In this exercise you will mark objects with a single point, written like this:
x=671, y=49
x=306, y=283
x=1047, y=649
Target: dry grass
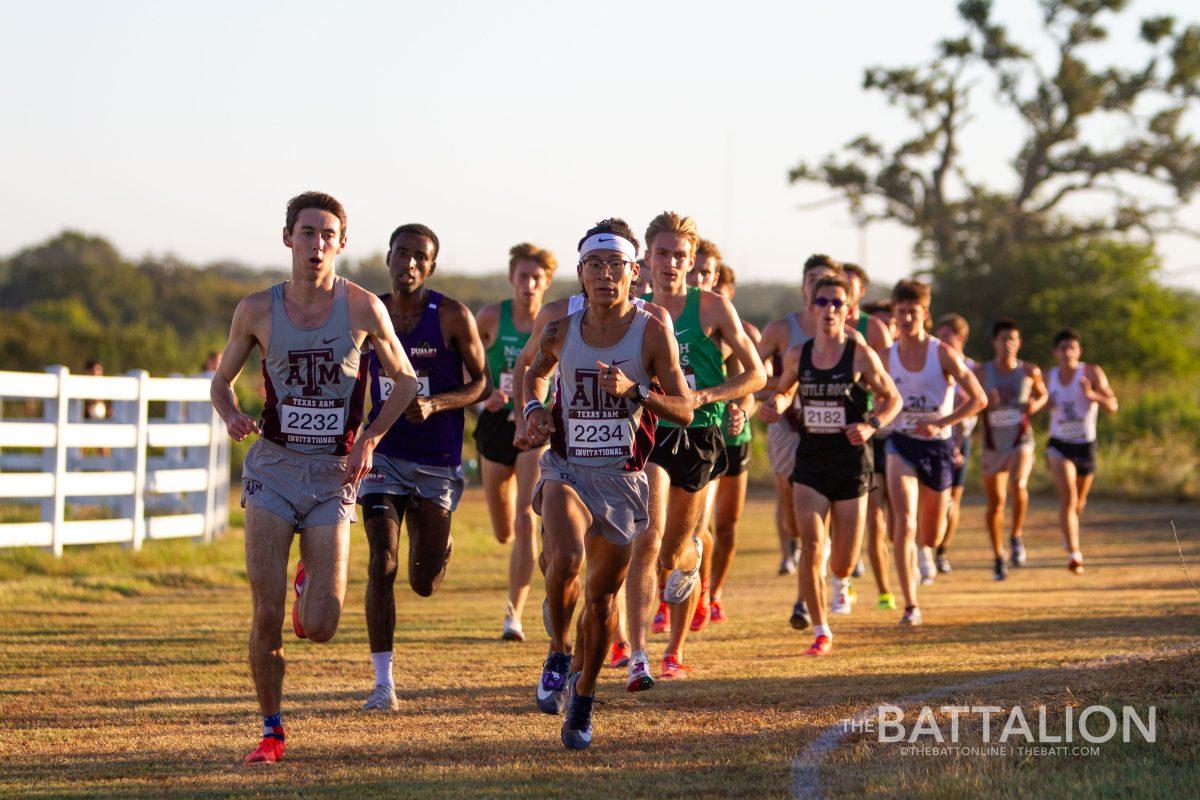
x=124, y=675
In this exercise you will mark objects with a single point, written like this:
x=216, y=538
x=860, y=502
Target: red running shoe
x=716, y=613
x=298, y=584
x=820, y=647
x=673, y=668
x=662, y=619
x=702, y=614
x=620, y=654
x=269, y=751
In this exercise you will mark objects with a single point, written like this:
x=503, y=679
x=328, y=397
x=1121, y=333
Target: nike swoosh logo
x=542, y=693
x=681, y=331
x=585, y=735
x=837, y=375
x=334, y=339
x=622, y=361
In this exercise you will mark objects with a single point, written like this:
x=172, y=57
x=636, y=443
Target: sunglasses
x=837, y=304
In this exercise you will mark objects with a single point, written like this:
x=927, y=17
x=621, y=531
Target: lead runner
x=593, y=492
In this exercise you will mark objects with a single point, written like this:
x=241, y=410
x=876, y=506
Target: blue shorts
x=932, y=460
x=958, y=474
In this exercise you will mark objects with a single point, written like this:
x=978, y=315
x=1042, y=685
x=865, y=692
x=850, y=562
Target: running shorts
x=494, y=432
x=782, y=440
x=932, y=460
x=302, y=488
x=691, y=456
x=993, y=461
x=738, y=458
x=841, y=475
x=958, y=472
x=1082, y=454
x=618, y=500
x=391, y=475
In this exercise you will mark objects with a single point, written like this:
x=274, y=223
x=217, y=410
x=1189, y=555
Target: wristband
x=530, y=407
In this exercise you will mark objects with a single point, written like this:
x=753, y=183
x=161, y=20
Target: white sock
x=1077, y=555
x=822, y=630
x=383, y=669
x=839, y=583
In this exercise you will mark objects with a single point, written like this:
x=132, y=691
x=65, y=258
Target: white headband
x=608, y=241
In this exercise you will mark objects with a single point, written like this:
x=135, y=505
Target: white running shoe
x=912, y=616
x=787, y=566
x=841, y=597
x=639, y=678
x=382, y=698
x=925, y=565
x=512, y=630
x=680, y=584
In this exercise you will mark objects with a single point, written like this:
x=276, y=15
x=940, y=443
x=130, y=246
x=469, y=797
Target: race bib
x=312, y=421
x=824, y=417
x=1072, y=429
x=598, y=434
x=386, y=385
x=422, y=386
x=909, y=420
x=506, y=383
x=690, y=377
x=1004, y=417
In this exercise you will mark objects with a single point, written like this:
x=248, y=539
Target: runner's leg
x=1019, y=477
x=429, y=544
x=641, y=591
x=878, y=512
x=268, y=543
x=731, y=501
x=564, y=520
x=811, y=510
x=524, y=553
x=500, y=491
x=994, y=486
x=607, y=564
x=902, y=492
x=785, y=517
x=383, y=539
x=1065, y=481
x=325, y=550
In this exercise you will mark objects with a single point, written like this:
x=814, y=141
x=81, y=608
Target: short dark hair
x=1004, y=324
x=819, y=261
x=854, y=270
x=92, y=362
x=319, y=201
x=880, y=307
x=909, y=291
x=955, y=322
x=1066, y=335
x=419, y=230
x=836, y=281
x=615, y=226
x=726, y=275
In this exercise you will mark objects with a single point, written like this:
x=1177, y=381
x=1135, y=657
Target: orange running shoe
x=269, y=751
x=716, y=612
x=673, y=668
x=702, y=614
x=298, y=585
x=820, y=647
x=662, y=619
x=621, y=651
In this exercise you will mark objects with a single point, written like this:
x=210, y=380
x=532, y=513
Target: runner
x=686, y=459
x=731, y=488
x=778, y=337
x=1015, y=392
x=833, y=460
x=1077, y=390
x=920, y=453
x=954, y=331
x=878, y=335
x=418, y=466
x=301, y=475
x=593, y=492
x=509, y=474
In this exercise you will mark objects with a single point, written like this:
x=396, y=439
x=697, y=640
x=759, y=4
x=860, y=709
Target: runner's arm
x=878, y=335
x=488, y=322
x=778, y=399
x=752, y=377
x=242, y=339
x=674, y=404
x=461, y=334
x=1039, y=395
x=769, y=345
x=540, y=422
x=1097, y=388
x=547, y=313
x=879, y=383
x=974, y=400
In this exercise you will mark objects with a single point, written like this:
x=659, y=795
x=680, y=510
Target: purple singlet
x=437, y=441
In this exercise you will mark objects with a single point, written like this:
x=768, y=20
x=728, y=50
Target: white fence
x=161, y=477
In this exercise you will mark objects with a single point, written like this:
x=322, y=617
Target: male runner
x=878, y=335
x=302, y=473
x=833, y=460
x=593, y=492
x=1077, y=391
x=418, y=465
x=920, y=452
x=509, y=474
x=686, y=458
x=783, y=435
x=731, y=488
x=1015, y=392
x=954, y=331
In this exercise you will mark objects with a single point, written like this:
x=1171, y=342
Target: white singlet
x=1072, y=415
x=928, y=395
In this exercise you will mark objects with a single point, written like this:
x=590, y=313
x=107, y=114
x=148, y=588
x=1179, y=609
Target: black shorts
x=839, y=475
x=879, y=452
x=691, y=456
x=1082, y=455
x=931, y=459
x=494, y=433
x=738, y=456
x=958, y=473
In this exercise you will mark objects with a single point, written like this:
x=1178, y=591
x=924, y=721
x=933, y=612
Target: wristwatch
x=873, y=421
x=641, y=394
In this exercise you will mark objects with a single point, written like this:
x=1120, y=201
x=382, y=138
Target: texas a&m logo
x=587, y=394
x=312, y=369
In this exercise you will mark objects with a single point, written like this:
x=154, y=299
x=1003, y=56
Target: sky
x=184, y=128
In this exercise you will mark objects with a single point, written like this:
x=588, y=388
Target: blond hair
x=670, y=222
x=531, y=252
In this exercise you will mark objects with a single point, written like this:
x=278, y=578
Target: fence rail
x=161, y=476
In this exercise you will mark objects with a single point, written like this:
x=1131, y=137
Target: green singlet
x=863, y=321
x=701, y=359
x=503, y=351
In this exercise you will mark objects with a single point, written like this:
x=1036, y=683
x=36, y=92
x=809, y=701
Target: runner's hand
x=614, y=381
x=769, y=411
x=496, y=400
x=358, y=463
x=421, y=409
x=737, y=420
x=242, y=426
x=1085, y=386
x=928, y=430
x=958, y=456
x=538, y=427
x=859, y=433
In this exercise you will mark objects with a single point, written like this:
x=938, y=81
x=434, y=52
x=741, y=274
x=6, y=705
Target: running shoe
x=800, y=619
x=1075, y=565
x=999, y=569
x=382, y=698
x=841, y=600
x=552, y=688
x=620, y=654
x=662, y=619
x=512, y=631
x=703, y=611
x=820, y=647
x=680, y=584
x=577, y=727
x=787, y=566
x=269, y=751
x=298, y=585
x=639, y=678
x=1017, y=547
x=943, y=564
x=716, y=612
x=926, y=566
x=859, y=570
x=912, y=616
x=673, y=668
x=887, y=601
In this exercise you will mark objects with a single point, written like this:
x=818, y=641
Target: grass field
x=124, y=674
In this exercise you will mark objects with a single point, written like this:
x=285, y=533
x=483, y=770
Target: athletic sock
x=273, y=727
x=383, y=669
x=941, y=549
x=1077, y=555
x=839, y=583
x=822, y=630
